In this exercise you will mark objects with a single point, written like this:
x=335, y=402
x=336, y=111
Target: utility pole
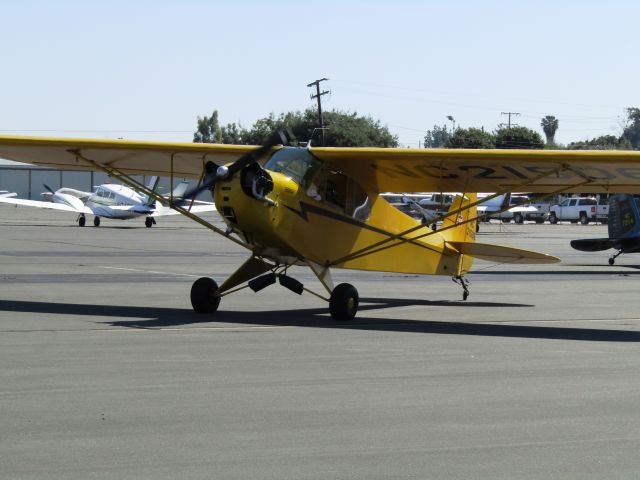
x=509, y=124
x=318, y=96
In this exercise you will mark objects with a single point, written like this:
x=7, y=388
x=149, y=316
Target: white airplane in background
x=109, y=201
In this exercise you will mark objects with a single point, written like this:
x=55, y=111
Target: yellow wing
x=131, y=158
x=377, y=169
x=453, y=170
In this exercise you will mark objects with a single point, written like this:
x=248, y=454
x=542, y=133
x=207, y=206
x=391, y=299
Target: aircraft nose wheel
x=203, y=295
x=343, y=303
x=96, y=222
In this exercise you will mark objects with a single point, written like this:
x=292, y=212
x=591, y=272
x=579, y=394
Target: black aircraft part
x=262, y=282
x=593, y=244
x=291, y=283
x=256, y=181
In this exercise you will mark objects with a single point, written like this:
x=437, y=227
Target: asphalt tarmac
x=105, y=372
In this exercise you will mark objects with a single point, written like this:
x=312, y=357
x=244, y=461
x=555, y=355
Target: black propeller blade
x=214, y=172
x=48, y=187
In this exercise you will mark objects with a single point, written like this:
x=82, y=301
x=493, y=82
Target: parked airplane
x=320, y=207
x=517, y=208
x=109, y=201
x=624, y=229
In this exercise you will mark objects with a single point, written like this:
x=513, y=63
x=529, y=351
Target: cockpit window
x=295, y=163
x=320, y=182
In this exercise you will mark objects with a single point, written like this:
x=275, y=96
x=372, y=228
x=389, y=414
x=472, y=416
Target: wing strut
x=124, y=178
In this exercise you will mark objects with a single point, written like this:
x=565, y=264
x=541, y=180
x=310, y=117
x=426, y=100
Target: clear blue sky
x=123, y=68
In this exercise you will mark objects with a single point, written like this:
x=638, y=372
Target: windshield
x=295, y=163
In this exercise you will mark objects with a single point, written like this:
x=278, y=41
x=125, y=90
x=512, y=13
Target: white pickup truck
x=582, y=209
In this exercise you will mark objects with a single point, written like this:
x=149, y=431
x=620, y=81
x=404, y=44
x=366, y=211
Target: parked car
x=582, y=209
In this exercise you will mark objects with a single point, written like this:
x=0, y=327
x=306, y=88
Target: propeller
x=214, y=172
x=48, y=187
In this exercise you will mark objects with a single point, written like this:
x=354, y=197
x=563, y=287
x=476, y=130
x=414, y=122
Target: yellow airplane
x=320, y=207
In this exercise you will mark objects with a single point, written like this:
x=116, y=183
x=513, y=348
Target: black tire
x=584, y=219
x=148, y=222
x=96, y=221
x=518, y=218
x=612, y=261
x=343, y=304
x=552, y=218
x=203, y=295
x=539, y=220
x=81, y=221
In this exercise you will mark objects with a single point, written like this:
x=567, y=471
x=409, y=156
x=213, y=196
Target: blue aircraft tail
x=623, y=224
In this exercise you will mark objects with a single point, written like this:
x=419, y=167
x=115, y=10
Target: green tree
x=343, y=130
x=471, y=138
x=232, y=134
x=549, y=126
x=208, y=130
x=518, y=137
x=605, y=142
x=632, y=129
x=437, y=137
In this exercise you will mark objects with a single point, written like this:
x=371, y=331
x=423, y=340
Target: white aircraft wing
x=198, y=207
x=48, y=205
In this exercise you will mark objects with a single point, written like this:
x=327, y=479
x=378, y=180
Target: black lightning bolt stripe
x=306, y=208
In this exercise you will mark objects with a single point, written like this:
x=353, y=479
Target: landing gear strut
x=464, y=283
x=612, y=258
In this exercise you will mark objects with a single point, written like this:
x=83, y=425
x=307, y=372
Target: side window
x=564, y=203
x=336, y=190
x=572, y=202
x=587, y=201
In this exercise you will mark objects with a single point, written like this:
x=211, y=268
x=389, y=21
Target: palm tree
x=549, y=126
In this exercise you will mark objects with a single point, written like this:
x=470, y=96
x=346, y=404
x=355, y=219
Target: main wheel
x=81, y=221
x=203, y=295
x=612, y=261
x=96, y=221
x=148, y=222
x=584, y=220
x=553, y=218
x=343, y=304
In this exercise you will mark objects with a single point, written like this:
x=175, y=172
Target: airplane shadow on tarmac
x=156, y=318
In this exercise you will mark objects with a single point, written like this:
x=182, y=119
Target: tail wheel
x=203, y=295
x=343, y=304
